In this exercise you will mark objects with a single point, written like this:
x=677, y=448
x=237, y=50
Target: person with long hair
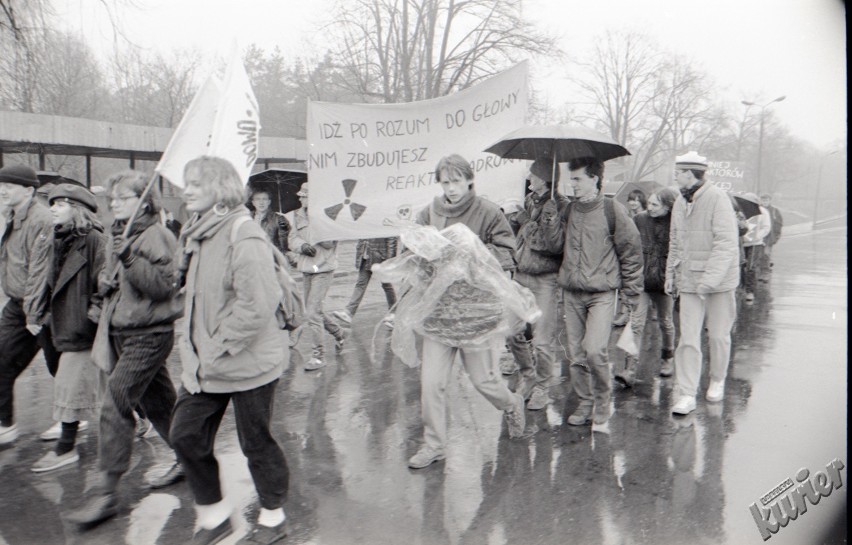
x=142, y=306
x=230, y=349
x=654, y=226
x=76, y=259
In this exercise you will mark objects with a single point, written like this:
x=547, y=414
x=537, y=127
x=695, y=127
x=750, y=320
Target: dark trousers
x=196, y=421
x=364, y=275
x=140, y=379
x=18, y=347
x=753, y=256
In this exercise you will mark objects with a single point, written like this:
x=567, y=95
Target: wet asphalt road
x=348, y=430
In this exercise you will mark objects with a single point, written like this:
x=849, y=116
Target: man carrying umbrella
x=602, y=253
x=536, y=270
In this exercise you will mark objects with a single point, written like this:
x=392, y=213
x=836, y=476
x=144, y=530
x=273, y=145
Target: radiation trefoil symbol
x=354, y=208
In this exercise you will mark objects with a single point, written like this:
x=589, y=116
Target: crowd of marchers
x=102, y=303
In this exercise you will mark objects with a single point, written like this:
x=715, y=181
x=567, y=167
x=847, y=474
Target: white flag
x=223, y=121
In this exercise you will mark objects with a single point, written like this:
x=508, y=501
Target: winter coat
x=759, y=227
x=593, y=260
x=532, y=254
x=703, y=242
x=24, y=258
x=654, y=233
x=277, y=229
x=325, y=259
x=232, y=292
x=147, y=295
x=371, y=251
x=74, y=292
x=482, y=217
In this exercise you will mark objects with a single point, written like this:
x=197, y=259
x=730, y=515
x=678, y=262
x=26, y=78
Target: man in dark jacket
x=24, y=251
x=536, y=270
x=602, y=253
x=275, y=225
x=369, y=252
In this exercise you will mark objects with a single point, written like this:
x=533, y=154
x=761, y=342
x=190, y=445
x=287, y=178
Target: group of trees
x=653, y=101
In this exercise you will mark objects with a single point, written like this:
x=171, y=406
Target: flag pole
x=133, y=217
x=553, y=178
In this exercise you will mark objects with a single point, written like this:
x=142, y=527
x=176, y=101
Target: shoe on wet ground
x=667, y=369
x=96, y=509
x=339, y=342
x=539, y=399
x=425, y=457
x=295, y=335
x=54, y=432
x=313, y=364
x=51, y=461
x=515, y=418
x=343, y=317
x=211, y=536
x=173, y=475
x=581, y=416
x=8, y=434
x=264, y=535
x=684, y=405
x=749, y=296
x=716, y=391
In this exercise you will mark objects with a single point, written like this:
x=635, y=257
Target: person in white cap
x=317, y=263
x=703, y=268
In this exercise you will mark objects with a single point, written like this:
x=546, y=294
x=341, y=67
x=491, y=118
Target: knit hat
x=20, y=175
x=76, y=193
x=691, y=161
x=543, y=168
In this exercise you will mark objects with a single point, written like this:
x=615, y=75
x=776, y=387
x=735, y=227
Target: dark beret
x=75, y=193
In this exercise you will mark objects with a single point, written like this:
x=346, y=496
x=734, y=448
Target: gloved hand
x=106, y=286
x=308, y=250
x=549, y=210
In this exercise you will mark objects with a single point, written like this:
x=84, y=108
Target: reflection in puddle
x=148, y=519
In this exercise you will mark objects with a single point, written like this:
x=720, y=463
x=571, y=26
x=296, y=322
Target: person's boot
x=626, y=376
x=667, y=368
x=100, y=506
x=582, y=415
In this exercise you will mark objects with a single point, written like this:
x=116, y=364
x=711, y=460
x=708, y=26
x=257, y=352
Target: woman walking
x=76, y=259
x=231, y=350
x=654, y=227
x=142, y=306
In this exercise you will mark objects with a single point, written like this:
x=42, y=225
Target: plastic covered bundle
x=454, y=292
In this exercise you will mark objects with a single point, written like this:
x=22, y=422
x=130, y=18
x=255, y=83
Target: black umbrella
x=281, y=185
x=647, y=187
x=748, y=207
x=562, y=143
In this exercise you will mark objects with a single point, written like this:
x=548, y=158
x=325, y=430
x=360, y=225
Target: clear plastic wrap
x=453, y=291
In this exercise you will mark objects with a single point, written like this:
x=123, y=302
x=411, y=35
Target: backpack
x=609, y=212
x=291, y=310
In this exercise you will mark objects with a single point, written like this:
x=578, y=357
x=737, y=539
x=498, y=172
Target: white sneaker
x=314, y=364
x=343, y=317
x=425, y=457
x=684, y=405
x=51, y=461
x=716, y=391
x=388, y=320
x=8, y=434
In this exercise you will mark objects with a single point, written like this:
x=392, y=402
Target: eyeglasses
x=124, y=198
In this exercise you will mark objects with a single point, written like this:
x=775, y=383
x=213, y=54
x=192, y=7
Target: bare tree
x=404, y=50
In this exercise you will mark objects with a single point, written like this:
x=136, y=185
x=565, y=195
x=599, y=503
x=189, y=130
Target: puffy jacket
x=483, y=218
x=654, y=233
x=326, y=257
x=703, y=245
x=371, y=251
x=231, y=295
x=24, y=258
x=147, y=279
x=593, y=260
x=532, y=254
x=74, y=290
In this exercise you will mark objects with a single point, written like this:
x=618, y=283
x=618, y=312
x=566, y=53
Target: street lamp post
x=760, y=137
x=819, y=183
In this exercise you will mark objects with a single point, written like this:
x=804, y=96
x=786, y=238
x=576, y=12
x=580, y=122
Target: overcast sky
x=755, y=50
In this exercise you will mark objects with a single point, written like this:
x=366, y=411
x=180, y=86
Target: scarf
x=142, y=222
x=63, y=239
x=444, y=208
x=689, y=192
x=203, y=227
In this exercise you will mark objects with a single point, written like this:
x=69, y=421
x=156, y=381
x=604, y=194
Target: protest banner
x=222, y=120
x=368, y=162
x=729, y=176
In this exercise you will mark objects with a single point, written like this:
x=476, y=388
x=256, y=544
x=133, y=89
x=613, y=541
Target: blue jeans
x=364, y=275
x=315, y=287
x=588, y=324
x=546, y=292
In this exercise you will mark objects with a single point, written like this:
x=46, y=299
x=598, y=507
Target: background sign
x=729, y=176
x=368, y=162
